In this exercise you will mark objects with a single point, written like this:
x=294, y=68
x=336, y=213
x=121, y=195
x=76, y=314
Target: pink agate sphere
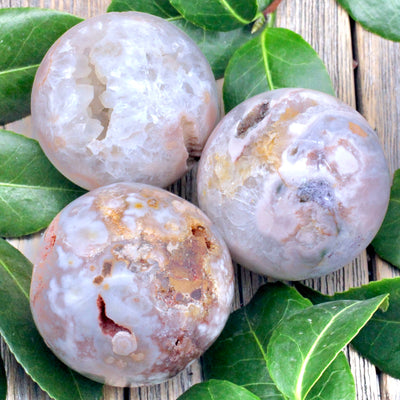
x=132, y=283
x=296, y=181
x=124, y=97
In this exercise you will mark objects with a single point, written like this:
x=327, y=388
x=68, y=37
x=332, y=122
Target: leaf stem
x=271, y=8
x=271, y=20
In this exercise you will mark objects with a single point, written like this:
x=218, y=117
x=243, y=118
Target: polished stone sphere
x=296, y=181
x=131, y=284
x=124, y=97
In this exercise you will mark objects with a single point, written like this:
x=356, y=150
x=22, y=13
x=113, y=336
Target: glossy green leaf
x=380, y=17
x=379, y=340
x=25, y=36
x=218, y=47
x=337, y=382
x=32, y=191
x=303, y=345
x=23, y=339
x=217, y=15
x=160, y=8
x=278, y=58
x=239, y=354
x=387, y=240
x=217, y=390
x=3, y=381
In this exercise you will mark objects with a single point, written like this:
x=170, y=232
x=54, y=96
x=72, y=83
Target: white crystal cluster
x=296, y=181
x=124, y=97
x=132, y=283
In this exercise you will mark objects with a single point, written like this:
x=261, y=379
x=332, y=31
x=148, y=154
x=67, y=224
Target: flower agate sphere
x=132, y=283
x=124, y=97
x=296, y=181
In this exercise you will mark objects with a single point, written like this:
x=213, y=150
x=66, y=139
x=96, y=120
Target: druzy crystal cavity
x=124, y=97
x=296, y=181
x=131, y=284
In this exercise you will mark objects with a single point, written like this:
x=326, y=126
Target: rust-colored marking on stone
x=107, y=268
x=200, y=232
x=98, y=280
x=153, y=203
x=357, y=129
x=107, y=325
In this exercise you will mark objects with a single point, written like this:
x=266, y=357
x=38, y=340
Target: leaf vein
x=26, y=166
x=264, y=356
x=32, y=187
x=14, y=279
x=265, y=59
x=76, y=384
x=312, y=349
x=8, y=205
x=19, y=69
x=35, y=27
x=6, y=160
x=233, y=12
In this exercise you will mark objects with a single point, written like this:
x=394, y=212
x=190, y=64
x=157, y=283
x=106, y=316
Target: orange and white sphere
x=131, y=284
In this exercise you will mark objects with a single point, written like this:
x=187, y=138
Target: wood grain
x=378, y=99
x=325, y=25
x=374, y=87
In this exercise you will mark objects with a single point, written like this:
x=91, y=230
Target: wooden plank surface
x=373, y=87
x=378, y=99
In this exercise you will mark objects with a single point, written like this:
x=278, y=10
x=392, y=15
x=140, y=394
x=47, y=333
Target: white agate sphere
x=296, y=181
x=131, y=284
x=124, y=97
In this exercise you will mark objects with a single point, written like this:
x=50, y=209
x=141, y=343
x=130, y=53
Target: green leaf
x=3, y=381
x=379, y=340
x=380, y=17
x=387, y=240
x=217, y=15
x=217, y=390
x=23, y=339
x=218, y=47
x=32, y=191
x=25, y=36
x=305, y=344
x=160, y=8
x=337, y=382
x=239, y=354
x=278, y=58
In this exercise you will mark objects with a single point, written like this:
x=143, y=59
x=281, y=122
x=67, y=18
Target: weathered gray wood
x=390, y=388
x=378, y=89
x=327, y=28
x=378, y=99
